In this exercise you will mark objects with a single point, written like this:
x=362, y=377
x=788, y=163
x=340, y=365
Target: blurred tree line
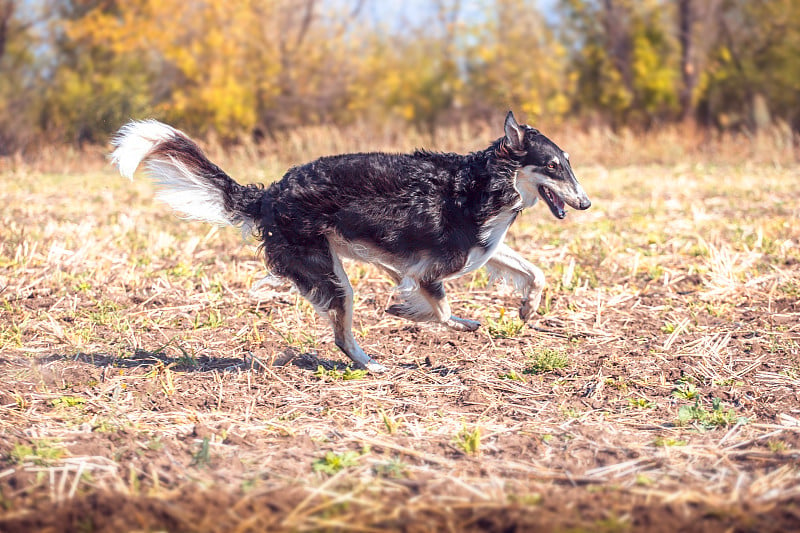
x=75, y=70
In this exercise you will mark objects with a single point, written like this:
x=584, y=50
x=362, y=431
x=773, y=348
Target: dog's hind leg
x=318, y=274
x=528, y=279
x=341, y=316
x=427, y=302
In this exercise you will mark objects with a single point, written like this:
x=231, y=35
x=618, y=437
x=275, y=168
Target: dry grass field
x=144, y=387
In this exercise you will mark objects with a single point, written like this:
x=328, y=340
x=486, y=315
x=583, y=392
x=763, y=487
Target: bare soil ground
x=143, y=387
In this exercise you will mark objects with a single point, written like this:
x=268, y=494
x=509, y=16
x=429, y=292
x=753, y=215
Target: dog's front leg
x=528, y=279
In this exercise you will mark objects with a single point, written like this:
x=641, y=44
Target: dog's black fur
x=421, y=216
x=400, y=204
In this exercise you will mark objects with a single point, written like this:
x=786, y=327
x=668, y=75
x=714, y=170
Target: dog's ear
x=515, y=135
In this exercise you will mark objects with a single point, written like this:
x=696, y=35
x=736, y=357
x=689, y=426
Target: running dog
x=423, y=217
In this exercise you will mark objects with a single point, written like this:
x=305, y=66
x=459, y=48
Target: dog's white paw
x=373, y=366
x=462, y=324
x=526, y=311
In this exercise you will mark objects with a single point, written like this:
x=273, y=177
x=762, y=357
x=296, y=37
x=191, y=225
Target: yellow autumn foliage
x=75, y=71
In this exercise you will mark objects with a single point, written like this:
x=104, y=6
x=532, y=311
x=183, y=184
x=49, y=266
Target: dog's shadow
x=439, y=370
x=145, y=359
x=309, y=361
x=312, y=362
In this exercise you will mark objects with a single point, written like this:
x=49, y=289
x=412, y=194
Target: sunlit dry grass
x=674, y=144
x=663, y=369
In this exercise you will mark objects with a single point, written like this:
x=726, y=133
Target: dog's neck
x=500, y=158
x=490, y=185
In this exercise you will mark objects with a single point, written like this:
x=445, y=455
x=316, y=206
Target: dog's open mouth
x=555, y=203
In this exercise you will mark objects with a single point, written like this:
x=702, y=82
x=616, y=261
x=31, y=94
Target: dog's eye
x=552, y=165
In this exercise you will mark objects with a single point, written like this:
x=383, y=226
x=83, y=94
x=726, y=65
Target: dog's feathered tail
x=188, y=181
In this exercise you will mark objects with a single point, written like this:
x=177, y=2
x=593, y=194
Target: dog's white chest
x=492, y=233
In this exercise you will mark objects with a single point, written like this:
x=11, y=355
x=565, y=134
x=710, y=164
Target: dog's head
x=544, y=170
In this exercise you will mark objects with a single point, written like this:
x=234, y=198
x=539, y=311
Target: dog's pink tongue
x=558, y=202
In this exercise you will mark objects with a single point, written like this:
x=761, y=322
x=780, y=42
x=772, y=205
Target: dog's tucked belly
x=367, y=253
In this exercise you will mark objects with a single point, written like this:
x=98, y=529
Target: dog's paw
x=396, y=310
x=462, y=324
x=526, y=311
x=373, y=366
x=409, y=312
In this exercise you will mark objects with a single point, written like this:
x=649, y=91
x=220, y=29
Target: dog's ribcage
x=415, y=266
x=492, y=234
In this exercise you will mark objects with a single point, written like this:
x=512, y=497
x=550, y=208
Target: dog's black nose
x=585, y=204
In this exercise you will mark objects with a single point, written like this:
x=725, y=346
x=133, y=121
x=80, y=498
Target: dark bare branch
x=6, y=12
x=305, y=24
x=686, y=20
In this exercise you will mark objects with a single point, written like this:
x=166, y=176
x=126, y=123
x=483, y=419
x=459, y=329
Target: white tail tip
x=135, y=140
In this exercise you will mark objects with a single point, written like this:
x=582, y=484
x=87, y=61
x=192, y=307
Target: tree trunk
x=6, y=12
x=686, y=20
x=618, y=40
